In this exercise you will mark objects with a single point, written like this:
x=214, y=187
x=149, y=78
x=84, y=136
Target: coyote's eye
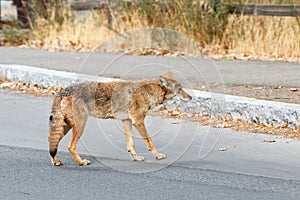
x=51, y=118
x=177, y=89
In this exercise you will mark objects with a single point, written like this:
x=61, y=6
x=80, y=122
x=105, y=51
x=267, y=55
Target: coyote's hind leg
x=77, y=119
x=76, y=133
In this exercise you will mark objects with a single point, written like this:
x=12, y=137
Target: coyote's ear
x=169, y=74
x=163, y=81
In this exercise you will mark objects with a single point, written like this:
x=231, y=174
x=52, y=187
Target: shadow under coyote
x=128, y=101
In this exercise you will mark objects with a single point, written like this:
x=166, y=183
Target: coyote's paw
x=84, y=162
x=137, y=158
x=159, y=156
x=56, y=162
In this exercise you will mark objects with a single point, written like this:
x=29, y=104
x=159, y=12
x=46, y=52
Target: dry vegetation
x=27, y=88
x=262, y=37
x=262, y=1
x=187, y=28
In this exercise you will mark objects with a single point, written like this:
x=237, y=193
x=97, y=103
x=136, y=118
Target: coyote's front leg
x=127, y=124
x=140, y=126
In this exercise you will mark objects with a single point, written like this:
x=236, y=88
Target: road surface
x=192, y=72
x=194, y=168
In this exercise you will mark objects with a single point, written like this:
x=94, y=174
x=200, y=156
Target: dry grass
x=261, y=37
x=185, y=25
x=75, y=32
x=26, y=88
x=261, y=1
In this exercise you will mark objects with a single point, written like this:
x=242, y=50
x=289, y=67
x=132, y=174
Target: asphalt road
x=194, y=168
x=26, y=174
x=197, y=73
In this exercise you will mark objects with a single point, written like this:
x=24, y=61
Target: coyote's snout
x=126, y=101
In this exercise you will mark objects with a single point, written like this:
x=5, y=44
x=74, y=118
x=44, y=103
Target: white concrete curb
x=203, y=103
x=45, y=77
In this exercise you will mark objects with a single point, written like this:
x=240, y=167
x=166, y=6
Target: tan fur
x=126, y=101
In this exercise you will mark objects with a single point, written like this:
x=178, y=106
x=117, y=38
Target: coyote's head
x=173, y=87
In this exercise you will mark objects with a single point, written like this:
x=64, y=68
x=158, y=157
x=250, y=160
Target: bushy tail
x=57, y=126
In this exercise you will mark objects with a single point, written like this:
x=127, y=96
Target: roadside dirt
x=26, y=88
x=270, y=93
x=288, y=95
x=236, y=125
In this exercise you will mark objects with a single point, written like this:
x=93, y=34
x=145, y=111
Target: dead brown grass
x=261, y=1
x=27, y=88
x=217, y=34
x=276, y=38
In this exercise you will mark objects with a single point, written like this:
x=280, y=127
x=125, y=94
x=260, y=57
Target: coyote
x=128, y=101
